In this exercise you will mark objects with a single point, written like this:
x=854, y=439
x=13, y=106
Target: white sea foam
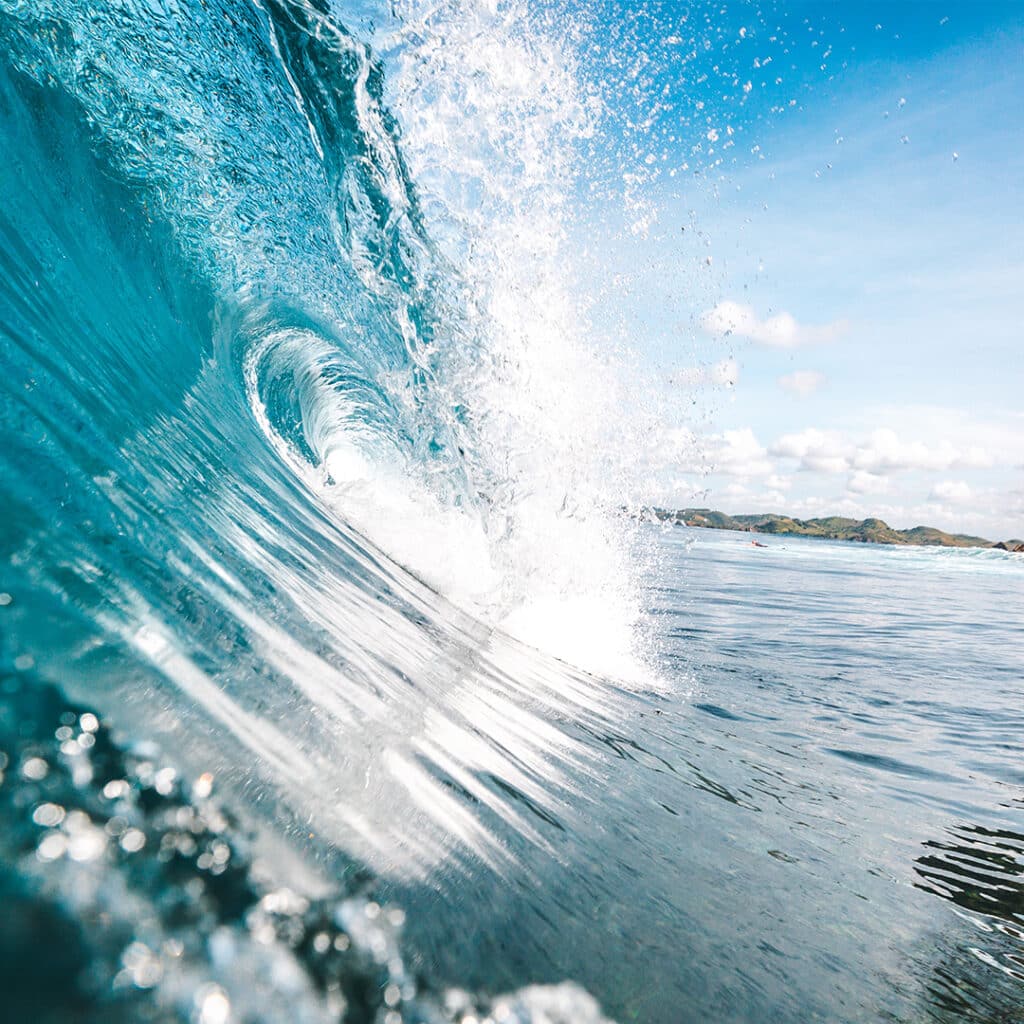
x=492, y=113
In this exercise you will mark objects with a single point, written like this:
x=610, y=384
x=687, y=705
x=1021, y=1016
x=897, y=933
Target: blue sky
x=827, y=248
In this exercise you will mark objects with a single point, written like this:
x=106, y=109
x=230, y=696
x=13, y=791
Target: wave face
x=302, y=427
x=303, y=438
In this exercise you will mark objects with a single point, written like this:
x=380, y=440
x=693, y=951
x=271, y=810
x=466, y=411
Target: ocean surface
x=339, y=677
x=820, y=817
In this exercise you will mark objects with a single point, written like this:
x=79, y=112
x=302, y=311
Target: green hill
x=866, y=531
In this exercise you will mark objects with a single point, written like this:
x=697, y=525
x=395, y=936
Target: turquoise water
x=334, y=682
x=819, y=818
x=822, y=819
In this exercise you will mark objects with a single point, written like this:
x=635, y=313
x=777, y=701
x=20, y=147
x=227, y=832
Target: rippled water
x=823, y=819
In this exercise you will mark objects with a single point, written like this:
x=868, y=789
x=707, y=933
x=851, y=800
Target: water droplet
x=35, y=768
x=133, y=840
x=214, y=1005
x=48, y=815
x=52, y=847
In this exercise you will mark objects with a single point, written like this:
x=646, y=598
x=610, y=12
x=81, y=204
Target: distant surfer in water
x=758, y=544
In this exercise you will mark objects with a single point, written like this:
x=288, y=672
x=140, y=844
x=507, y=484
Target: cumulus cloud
x=779, y=331
x=802, y=383
x=739, y=453
x=907, y=476
x=883, y=452
x=743, y=498
x=998, y=439
x=817, y=451
x=867, y=483
x=735, y=453
x=954, y=491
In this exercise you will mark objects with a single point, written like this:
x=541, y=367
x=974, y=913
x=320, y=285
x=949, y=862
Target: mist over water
x=338, y=677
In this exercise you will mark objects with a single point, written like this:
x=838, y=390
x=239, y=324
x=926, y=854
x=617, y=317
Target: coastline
x=863, y=531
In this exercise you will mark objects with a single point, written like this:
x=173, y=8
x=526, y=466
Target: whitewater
x=340, y=678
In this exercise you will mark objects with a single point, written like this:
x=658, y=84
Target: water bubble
x=89, y=722
x=35, y=768
x=203, y=786
x=142, y=965
x=52, y=847
x=163, y=781
x=5, y=599
x=115, y=789
x=48, y=815
x=133, y=840
x=213, y=1004
x=86, y=844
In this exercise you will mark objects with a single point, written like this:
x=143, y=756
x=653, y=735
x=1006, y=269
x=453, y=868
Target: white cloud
x=739, y=453
x=955, y=491
x=802, y=383
x=738, y=497
x=910, y=475
x=998, y=439
x=883, y=452
x=724, y=374
x=779, y=331
x=817, y=451
x=735, y=453
x=867, y=483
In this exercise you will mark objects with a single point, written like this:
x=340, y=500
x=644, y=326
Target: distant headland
x=866, y=531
